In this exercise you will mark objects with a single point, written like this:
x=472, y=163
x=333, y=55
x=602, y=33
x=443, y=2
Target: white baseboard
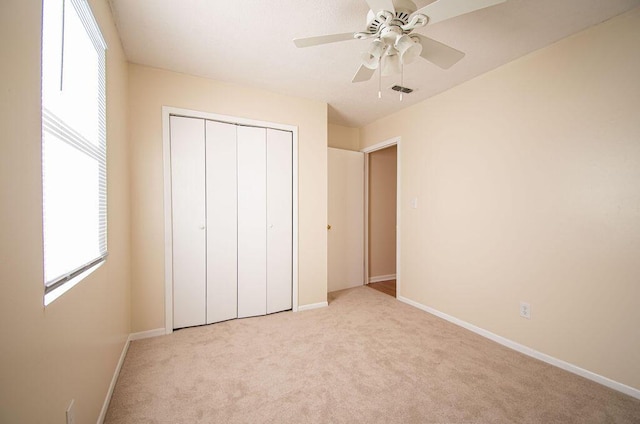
x=147, y=334
x=116, y=372
x=312, y=306
x=628, y=390
x=114, y=379
x=379, y=278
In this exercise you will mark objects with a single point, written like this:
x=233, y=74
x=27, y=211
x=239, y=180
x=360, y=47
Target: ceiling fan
x=390, y=24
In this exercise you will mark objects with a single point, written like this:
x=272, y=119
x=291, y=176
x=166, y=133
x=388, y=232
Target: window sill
x=59, y=291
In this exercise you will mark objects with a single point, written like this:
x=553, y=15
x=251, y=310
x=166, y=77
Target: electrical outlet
x=414, y=203
x=525, y=310
x=71, y=412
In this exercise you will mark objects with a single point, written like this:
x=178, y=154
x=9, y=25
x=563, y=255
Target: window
x=74, y=182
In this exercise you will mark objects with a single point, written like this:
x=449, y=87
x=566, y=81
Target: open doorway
x=364, y=247
x=381, y=193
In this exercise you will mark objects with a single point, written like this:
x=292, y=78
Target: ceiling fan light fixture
x=390, y=34
x=371, y=58
x=408, y=49
x=391, y=65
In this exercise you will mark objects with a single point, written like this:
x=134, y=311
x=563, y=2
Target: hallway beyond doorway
x=386, y=287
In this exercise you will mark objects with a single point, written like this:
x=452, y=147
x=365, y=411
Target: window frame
x=55, y=127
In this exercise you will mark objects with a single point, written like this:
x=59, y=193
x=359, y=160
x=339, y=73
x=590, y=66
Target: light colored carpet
x=367, y=358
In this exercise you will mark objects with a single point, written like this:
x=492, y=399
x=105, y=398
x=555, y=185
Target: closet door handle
x=202, y=227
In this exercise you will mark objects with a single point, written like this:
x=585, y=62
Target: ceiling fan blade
x=378, y=5
x=446, y=9
x=437, y=53
x=323, y=39
x=363, y=74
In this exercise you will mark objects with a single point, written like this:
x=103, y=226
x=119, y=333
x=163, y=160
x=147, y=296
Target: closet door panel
x=188, y=209
x=221, y=189
x=279, y=220
x=252, y=237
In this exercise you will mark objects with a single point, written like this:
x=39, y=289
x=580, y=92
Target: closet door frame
x=167, y=112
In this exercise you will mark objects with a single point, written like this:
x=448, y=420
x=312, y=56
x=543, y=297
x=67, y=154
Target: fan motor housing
x=403, y=9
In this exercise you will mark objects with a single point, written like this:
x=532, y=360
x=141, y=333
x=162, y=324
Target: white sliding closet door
x=188, y=204
x=221, y=189
x=279, y=220
x=252, y=234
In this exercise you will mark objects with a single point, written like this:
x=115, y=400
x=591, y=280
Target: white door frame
x=367, y=150
x=168, y=111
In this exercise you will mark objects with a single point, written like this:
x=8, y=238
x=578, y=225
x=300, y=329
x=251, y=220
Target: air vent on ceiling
x=402, y=89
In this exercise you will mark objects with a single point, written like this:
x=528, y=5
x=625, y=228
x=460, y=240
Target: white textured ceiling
x=249, y=42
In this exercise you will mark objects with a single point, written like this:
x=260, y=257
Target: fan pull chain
x=401, y=79
x=380, y=77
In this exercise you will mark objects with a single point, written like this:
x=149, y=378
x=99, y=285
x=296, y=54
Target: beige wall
x=68, y=350
x=382, y=212
x=341, y=137
x=528, y=179
x=150, y=89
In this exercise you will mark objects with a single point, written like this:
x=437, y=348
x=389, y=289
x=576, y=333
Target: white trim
x=398, y=212
x=294, y=294
x=628, y=390
x=379, y=146
x=382, y=145
x=167, y=111
x=382, y=278
x=312, y=306
x=147, y=334
x=168, y=236
x=190, y=113
x=116, y=373
x=114, y=379
x=365, y=248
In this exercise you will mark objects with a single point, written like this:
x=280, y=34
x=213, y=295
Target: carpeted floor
x=367, y=358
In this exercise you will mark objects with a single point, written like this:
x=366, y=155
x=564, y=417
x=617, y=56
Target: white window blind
x=73, y=141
